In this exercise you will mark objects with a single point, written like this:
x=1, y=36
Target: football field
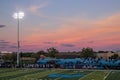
x=58, y=74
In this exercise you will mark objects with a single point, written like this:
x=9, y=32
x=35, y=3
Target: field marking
x=87, y=75
x=64, y=71
x=107, y=75
x=59, y=77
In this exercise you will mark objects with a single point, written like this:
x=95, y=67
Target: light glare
x=18, y=15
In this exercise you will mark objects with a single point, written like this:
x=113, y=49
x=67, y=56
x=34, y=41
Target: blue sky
x=61, y=23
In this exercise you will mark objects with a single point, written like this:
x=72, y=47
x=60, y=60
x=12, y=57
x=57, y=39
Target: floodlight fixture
x=18, y=15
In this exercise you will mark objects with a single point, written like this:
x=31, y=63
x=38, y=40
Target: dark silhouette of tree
x=114, y=56
x=52, y=51
x=26, y=54
x=87, y=52
x=41, y=52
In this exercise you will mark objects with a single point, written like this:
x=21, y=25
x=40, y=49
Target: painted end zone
x=65, y=75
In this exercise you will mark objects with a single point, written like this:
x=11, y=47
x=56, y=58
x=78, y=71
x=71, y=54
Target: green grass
x=96, y=75
x=114, y=75
x=38, y=75
x=42, y=74
x=16, y=73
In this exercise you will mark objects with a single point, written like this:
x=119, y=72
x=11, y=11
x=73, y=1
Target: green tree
x=52, y=51
x=114, y=56
x=8, y=56
x=87, y=52
x=26, y=54
x=41, y=52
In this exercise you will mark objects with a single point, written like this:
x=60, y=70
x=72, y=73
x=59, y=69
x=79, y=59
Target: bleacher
x=80, y=63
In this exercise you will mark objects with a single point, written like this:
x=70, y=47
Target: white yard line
x=58, y=78
x=86, y=75
x=107, y=75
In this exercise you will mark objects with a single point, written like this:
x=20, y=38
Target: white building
x=4, y=52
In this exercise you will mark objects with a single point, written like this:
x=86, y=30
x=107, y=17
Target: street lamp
x=18, y=16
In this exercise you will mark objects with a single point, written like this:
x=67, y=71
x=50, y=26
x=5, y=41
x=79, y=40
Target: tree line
x=51, y=52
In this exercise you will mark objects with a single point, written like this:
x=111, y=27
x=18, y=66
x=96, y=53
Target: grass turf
x=114, y=75
x=43, y=74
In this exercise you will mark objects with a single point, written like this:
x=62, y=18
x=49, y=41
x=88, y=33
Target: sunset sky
x=68, y=25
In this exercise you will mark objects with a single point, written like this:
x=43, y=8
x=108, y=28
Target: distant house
x=28, y=59
x=104, y=54
x=5, y=52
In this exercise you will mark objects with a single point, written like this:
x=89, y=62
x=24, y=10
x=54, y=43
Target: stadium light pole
x=18, y=16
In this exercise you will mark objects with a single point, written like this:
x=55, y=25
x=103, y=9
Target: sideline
x=107, y=75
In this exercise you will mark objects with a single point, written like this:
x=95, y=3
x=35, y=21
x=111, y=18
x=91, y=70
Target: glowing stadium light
x=18, y=16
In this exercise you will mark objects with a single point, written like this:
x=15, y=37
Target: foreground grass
x=114, y=75
x=96, y=75
x=38, y=74
x=13, y=73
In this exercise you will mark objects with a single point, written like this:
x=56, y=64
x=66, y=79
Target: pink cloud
x=102, y=32
x=36, y=8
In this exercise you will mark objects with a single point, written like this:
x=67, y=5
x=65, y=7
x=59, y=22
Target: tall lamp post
x=18, y=16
